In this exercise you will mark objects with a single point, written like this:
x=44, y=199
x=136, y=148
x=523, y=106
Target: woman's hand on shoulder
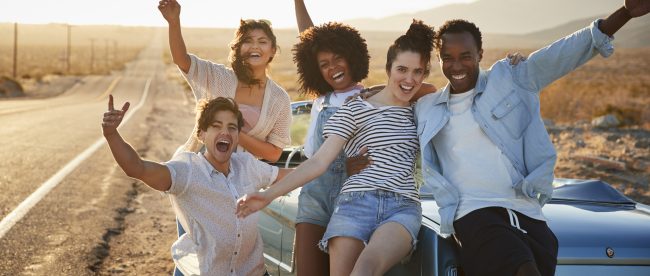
x=515, y=58
x=366, y=93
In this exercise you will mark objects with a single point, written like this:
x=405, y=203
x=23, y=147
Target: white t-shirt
x=216, y=242
x=475, y=165
x=337, y=99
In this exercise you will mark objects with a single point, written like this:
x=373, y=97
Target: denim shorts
x=358, y=214
x=317, y=198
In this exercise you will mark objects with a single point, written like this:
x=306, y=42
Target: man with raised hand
x=486, y=155
x=203, y=189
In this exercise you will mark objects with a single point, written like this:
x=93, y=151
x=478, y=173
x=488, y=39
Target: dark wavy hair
x=334, y=37
x=237, y=62
x=457, y=26
x=206, y=110
x=418, y=39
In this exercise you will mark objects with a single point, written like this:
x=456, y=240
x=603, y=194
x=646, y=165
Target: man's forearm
x=126, y=156
x=614, y=21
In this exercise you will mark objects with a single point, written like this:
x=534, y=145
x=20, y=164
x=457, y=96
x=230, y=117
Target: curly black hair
x=237, y=62
x=457, y=26
x=418, y=38
x=334, y=37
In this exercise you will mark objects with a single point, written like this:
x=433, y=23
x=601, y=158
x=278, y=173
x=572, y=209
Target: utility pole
x=115, y=52
x=15, y=50
x=92, y=55
x=68, y=51
x=106, y=54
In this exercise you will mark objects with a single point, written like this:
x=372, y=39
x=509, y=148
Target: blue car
x=600, y=231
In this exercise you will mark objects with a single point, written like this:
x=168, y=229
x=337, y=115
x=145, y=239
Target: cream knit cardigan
x=209, y=80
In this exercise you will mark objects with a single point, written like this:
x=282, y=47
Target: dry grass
x=619, y=84
x=42, y=48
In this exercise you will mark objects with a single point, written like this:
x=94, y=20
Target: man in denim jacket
x=486, y=156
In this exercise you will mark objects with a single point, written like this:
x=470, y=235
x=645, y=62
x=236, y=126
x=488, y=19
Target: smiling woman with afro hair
x=331, y=59
x=332, y=37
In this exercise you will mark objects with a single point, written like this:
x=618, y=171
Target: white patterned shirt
x=204, y=200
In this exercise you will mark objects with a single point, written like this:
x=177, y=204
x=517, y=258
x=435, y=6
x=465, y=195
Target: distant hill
x=498, y=16
x=634, y=34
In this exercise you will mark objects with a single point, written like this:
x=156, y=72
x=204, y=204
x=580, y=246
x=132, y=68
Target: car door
x=271, y=231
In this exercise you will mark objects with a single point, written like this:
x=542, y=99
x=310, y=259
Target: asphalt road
x=69, y=230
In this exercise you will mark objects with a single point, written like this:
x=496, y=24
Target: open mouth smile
x=407, y=88
x=338, y=76
x=223, y=145
x=459, y=76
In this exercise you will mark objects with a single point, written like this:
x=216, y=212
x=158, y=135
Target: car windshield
x=301, y=117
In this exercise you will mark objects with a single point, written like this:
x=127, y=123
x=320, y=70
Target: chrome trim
x=603, y=261
x=293, y=152
x=277, y=262
x=282, y=219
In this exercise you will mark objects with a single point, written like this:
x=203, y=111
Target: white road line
x=23, y=208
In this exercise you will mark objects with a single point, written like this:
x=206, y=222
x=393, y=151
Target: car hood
x=594, y=224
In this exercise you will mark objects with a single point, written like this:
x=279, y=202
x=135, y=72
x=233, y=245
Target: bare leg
x=389, y=244
x=344, y=252
x=310, y=260
x=527, y=269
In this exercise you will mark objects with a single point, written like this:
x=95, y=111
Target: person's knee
x=368, y=264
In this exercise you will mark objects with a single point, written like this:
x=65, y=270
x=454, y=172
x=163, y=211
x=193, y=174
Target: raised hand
x=251, y=203
x=170, y=10
x=637, y=8
x=112, y=117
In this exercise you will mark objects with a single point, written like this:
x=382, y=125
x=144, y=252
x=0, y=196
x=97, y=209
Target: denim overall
x=318, y=197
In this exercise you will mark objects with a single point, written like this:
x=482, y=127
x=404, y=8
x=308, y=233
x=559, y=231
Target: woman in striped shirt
x=377, y=215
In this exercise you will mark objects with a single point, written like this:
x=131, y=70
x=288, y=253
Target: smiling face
x=257, y=48
x=220, y=138
x=335, y=70
x=459, y=60
x=407, y=72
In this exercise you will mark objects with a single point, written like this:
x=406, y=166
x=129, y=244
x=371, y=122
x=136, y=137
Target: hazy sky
x=206, y=13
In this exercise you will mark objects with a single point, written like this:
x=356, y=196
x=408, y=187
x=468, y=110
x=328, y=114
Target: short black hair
x=334, y=37
x=206, y=110
x=457, y=26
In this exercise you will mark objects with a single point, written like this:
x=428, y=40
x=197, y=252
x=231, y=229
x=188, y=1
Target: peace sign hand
x=112, y=117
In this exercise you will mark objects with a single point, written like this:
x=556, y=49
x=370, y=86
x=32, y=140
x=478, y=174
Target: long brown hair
x=237, y=62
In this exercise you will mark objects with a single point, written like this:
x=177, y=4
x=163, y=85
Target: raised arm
x=304, y=173
x=631, y=9
x=171, y=11
x=153, y=174
x=563, y=56
x=302, y=16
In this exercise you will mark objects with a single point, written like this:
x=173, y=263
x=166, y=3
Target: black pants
x=496, y=241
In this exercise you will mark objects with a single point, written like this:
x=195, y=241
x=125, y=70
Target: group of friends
x=485, y=154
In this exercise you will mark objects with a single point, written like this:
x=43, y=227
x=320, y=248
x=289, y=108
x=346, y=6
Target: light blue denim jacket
x=506, y=107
